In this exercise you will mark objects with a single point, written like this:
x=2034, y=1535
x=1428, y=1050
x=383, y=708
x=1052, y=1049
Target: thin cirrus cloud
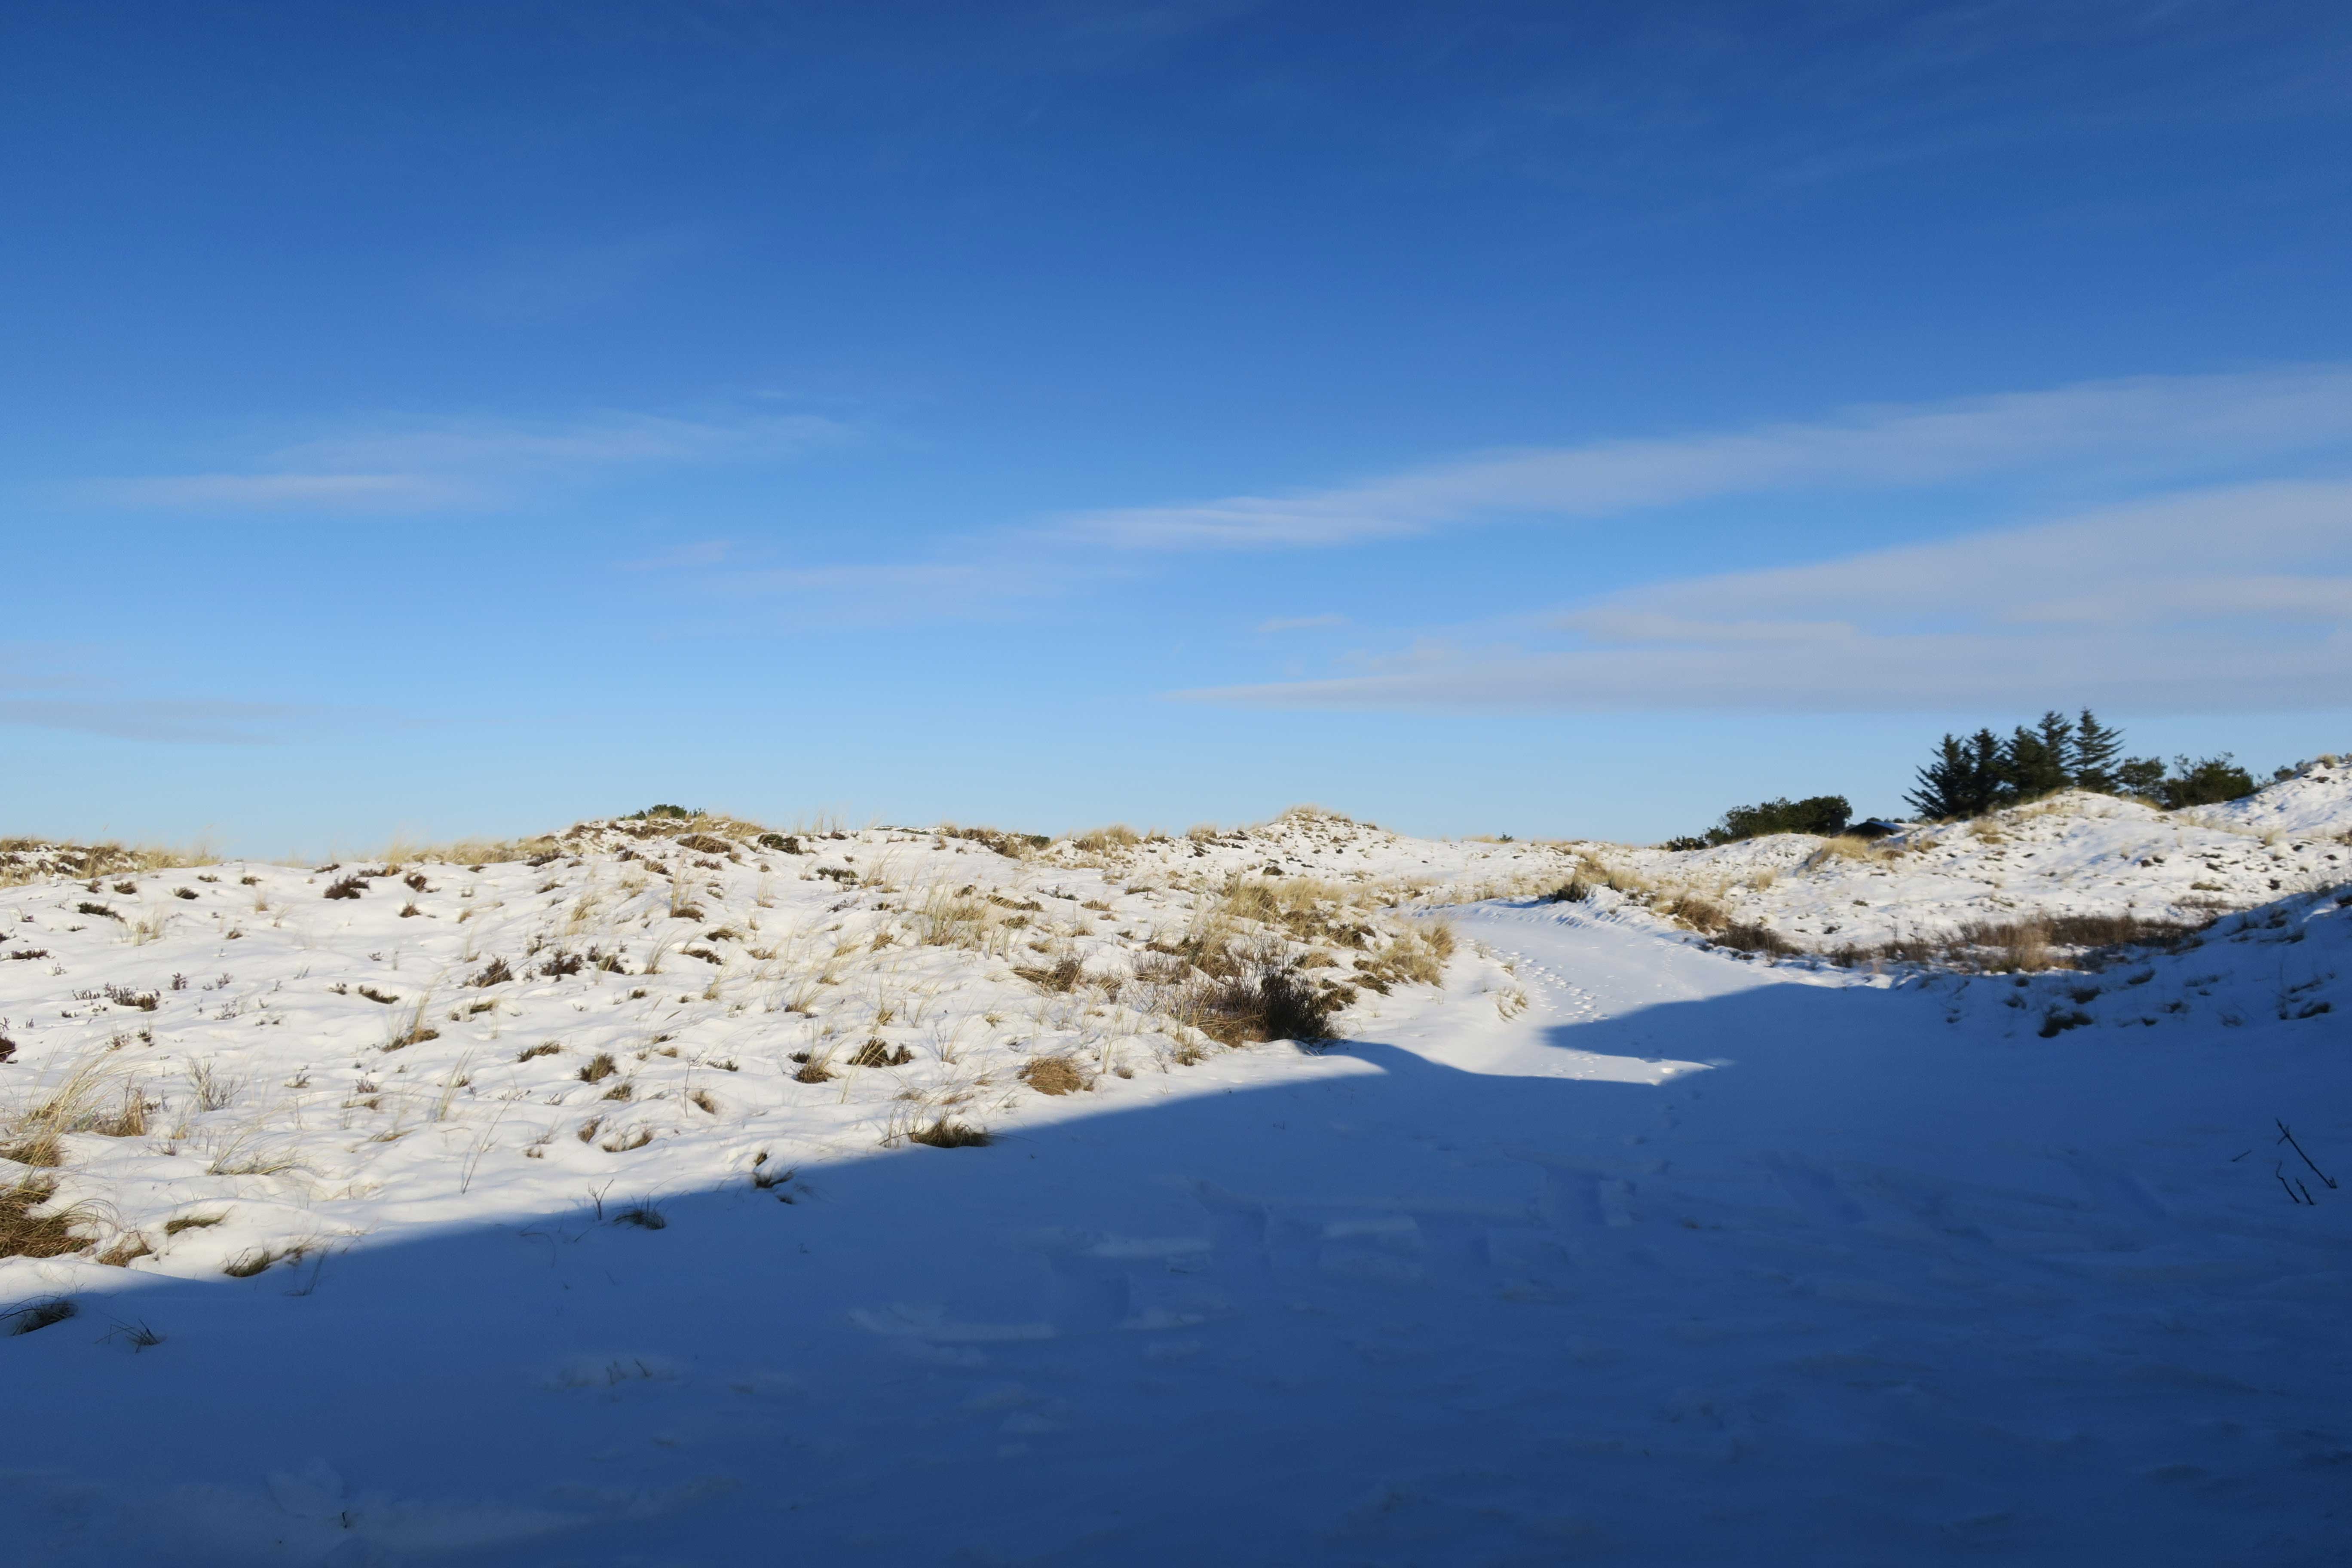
x=727, y=586
x=2147, y=425
x=192, y=722
x=431, y=465
x=2229, y=598
x=531, y=282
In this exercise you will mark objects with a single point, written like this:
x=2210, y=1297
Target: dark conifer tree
x=2035, y=762
x=2097, y=753
x=2141, y=776
x=1965, y=779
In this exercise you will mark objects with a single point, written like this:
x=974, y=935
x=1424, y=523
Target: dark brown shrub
x=1267, y=1003
x=945, y=1133
x=1744, y=938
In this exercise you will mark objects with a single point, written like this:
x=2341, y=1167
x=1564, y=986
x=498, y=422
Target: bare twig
x=2290, y=1186
x=2288, y=1138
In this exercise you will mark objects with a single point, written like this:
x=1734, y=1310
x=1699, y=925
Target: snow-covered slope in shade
x=1615, y=1250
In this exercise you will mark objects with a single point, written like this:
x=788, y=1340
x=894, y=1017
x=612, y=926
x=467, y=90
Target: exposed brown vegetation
x=25, y=1234
x=2037, y=943
x=1060, y=976
x=1053, y=1075
x=1265, y=1003
x=948, y=1133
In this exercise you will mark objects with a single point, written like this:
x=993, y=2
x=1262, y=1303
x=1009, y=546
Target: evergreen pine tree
x=1939, y=790
x=2141, y=776
x=1964, y=779
x=2097, y=753
x=2034, y=763
x=2058, y=737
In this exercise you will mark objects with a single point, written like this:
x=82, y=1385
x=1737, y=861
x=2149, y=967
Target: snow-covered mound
x=1615, y=1250
x=214, y=1068
x=2080, y=862
x=2317, y=799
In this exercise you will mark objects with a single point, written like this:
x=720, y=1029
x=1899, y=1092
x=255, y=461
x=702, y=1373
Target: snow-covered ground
x=2072, y=855
x=1613, y=1248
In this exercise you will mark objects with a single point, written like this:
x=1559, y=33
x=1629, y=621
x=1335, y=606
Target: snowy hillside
x=217, y=1067
x=671, y=1191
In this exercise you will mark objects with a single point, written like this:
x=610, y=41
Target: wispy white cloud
x=192, y=722
x=417, y=465
x=539, y=280
x=600, y=440
x=2229, y=598
x=1301, y=623
x=730, y=588
x=270, y=492
x=2148, y=426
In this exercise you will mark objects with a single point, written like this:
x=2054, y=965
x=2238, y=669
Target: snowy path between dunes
x=1686, y=1260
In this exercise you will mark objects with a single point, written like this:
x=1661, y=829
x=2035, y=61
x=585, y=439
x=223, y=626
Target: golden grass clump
x=23, y=860
x=24, y=1233
x=1846, y=846
x=1053, y=1075
x=955, y=918
x=35, y=1136
x=1104, y=841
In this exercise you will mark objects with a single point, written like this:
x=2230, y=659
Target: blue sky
x=1540, y=419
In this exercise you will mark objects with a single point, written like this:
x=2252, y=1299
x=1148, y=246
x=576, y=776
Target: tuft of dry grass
x=954, y=920
x=1743, y=937
x=25, y=1233
x=129, y=1117
x=1061, y=976
x=34, y=1316
x=126, y=1249
x=37, y=1136
x=1101, y=844
x=1011, y=846
x=254, y=1261
x=1847, y=846
x=1053, y=1075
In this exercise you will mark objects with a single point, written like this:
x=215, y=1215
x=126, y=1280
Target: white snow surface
x=1615, y=1249
x=2074, y=854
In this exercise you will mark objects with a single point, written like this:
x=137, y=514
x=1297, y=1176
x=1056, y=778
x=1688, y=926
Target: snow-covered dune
x=222, y=1066
x=1613, y=1249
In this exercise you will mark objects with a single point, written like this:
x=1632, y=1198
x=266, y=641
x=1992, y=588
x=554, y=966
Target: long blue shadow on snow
x=1205, y=1328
